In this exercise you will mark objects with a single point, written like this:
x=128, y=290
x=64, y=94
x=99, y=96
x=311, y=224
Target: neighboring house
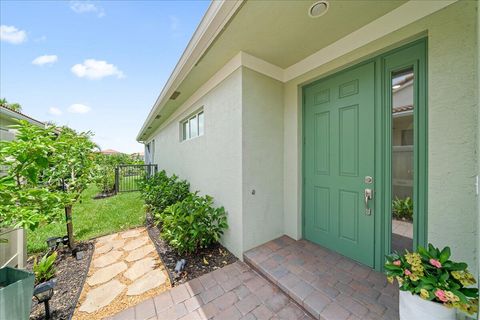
x=289, y=120
x=9, y=117
x=14, y=253
x=110, y=151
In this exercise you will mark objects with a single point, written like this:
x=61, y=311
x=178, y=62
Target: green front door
x=339, y=155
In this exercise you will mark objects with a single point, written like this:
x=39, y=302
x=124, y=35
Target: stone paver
x=102, y=296
x=139, y=253
x=106, y=259
x=135, y=243
x=107, y=247
x=106, y=239
x=130, y=233
x=104, y=274
x=139, y=268
x=152, y=279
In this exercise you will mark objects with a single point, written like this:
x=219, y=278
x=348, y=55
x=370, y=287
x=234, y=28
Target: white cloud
x=12, y=34
x=79, y=108
x=96, y=69
x=45, y=59
x=55, y=111
x=86, y=7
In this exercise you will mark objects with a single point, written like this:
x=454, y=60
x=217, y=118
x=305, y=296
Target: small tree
x=73, y=168
x=47, y=170
x=26, y=198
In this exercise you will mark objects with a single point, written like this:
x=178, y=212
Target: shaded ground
x=201, y=262
x=70, y=276
x=93, y=218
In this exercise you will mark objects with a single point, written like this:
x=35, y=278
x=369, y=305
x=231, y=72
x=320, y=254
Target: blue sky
x=93, y=65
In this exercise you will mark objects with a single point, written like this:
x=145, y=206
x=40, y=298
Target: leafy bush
x=193, y=223
x=403, y=208
x=161, y=191
x=45, y=269
x=431, y=275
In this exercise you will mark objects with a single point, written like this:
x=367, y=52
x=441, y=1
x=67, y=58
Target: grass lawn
x=93, y=218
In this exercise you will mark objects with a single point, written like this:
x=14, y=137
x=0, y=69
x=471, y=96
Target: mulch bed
x=216, y=256
x=70, y=278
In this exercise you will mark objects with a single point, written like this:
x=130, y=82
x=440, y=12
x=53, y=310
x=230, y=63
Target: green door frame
x=413, y=54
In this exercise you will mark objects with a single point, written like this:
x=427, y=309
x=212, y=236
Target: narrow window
x=403, y=142
x=200, y=124
x=193, y=127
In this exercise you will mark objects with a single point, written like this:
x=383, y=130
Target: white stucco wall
x=262, y=131
x=211, y=163
x=453, y=126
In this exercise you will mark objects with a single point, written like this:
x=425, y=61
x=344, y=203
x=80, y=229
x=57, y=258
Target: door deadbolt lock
x=368, y=193
x=368, y=179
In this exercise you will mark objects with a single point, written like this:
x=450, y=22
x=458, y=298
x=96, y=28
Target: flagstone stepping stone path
x=125, y=270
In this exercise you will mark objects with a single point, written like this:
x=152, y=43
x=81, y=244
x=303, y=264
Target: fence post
x=116, y=180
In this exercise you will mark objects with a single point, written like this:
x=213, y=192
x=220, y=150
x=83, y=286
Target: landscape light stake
x=44, y=292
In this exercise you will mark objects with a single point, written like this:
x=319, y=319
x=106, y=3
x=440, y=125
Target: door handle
x=368, y=193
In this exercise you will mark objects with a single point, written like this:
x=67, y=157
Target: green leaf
x=444, y=255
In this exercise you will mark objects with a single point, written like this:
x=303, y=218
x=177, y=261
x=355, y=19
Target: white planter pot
x=412, y=307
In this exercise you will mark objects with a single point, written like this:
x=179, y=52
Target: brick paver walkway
x=326, y=284
x=301, y=277
x=230, y=293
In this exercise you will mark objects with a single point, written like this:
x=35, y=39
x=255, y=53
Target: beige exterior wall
x=453, y=125
x=211, y=163
x=262, y=132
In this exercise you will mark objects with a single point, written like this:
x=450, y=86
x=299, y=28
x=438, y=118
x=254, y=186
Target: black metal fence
x=128, y=176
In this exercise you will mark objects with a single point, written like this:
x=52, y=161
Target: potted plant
x=432, y=287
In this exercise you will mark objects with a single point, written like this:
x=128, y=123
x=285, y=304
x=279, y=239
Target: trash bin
x=16, y=292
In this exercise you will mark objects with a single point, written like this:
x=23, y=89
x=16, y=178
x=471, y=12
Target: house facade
x=310, y=118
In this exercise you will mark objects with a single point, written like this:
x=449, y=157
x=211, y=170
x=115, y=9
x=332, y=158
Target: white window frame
x=186, y=129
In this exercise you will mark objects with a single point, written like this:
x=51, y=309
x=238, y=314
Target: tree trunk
x=68, y=218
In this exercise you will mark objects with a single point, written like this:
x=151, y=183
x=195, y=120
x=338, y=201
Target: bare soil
x=201, y=262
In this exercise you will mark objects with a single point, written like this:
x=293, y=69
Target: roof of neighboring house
x=110, y=151
x=20, y=116
x=402, y=109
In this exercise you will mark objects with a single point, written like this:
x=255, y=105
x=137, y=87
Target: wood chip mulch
x=70, y=277
x=201, y=262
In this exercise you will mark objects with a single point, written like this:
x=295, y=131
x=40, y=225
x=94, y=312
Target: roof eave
x=217, y=16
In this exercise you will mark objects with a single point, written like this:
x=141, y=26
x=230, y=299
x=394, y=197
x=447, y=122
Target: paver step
x=323, y=283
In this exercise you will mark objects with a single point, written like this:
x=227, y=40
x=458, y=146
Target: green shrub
x=193, y=223
x=45, y=269
x=403, y=208
x=161, y=191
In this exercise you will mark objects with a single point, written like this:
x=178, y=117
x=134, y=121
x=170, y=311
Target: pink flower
x=397, y=262
x=440, y=294
x=435, y=263
x=407, y=272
